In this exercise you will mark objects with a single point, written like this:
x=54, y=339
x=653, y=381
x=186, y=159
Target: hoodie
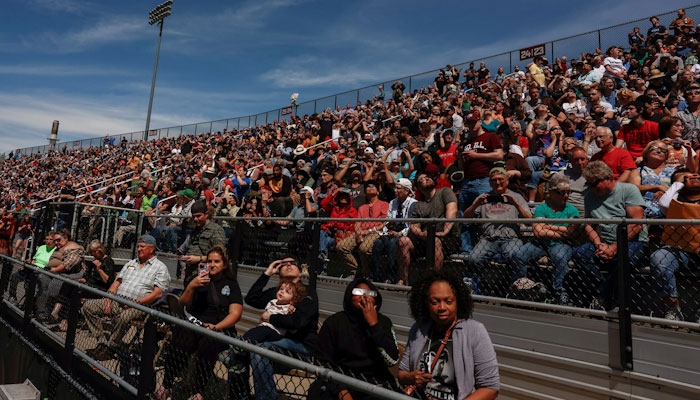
x=346, y=341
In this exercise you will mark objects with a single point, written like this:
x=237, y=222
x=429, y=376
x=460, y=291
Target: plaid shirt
x=137, y=281
x=73, y=259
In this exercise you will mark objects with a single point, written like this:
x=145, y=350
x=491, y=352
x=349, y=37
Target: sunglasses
x=360, y=292
x=661, y=149
x=692, y=176
x=694, y=91
x=565, y=192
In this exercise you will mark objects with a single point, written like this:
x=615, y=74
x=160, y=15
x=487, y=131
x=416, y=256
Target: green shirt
x=545, y=211
x=42, y=256
x=613, y=206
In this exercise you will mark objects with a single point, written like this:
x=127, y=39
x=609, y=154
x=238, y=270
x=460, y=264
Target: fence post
x=5, y=277
x=315, y=261
x=29, y=291
x=73, y=315
x=148, y=353
x=74, y=222
x=599, y=41
x=234, y=244
x=430, y=246
x=624, y=299
x=139, y=227
x=410, y=84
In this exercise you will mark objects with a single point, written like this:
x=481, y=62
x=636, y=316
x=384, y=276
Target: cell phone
x=495, y=198
x=203, y=269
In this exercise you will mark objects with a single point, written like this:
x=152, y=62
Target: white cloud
x=70, y=6
x=305, y=71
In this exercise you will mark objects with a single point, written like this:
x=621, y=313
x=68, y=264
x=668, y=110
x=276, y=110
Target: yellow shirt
x=537, y=74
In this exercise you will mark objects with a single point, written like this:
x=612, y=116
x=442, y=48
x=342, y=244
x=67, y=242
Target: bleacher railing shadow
x=570, y=47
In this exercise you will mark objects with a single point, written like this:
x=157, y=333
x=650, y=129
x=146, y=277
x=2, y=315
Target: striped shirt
x=137, y=281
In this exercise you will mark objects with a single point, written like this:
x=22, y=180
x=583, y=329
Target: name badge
x=225, y=291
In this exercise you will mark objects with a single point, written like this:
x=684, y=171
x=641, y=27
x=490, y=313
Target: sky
x=89, y=63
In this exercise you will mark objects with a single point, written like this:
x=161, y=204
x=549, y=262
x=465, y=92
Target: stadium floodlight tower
x=157, y=15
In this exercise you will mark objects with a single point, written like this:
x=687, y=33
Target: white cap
x=405, y=183
x=361, y=142
x=369, y=150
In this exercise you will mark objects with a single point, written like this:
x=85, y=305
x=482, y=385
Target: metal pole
x=624, y=299
x=148, y=352
x=599, y=41
x=430, y=247
x=153, y=81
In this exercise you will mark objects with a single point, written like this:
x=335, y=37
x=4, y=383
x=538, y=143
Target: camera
x=495, y=198
x=677, y=144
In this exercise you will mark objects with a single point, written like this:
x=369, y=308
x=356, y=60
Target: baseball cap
x=369, y=150
x=147, y=239
x=405, y=183
x=498, y=171
x=186, y=193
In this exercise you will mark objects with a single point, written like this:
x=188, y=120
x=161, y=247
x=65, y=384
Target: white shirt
x=615, y=64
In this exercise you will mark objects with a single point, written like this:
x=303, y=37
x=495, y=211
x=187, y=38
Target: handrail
x=321, y=372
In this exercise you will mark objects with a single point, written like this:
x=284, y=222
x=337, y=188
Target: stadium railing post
x=73, y=315
x=139, y=227
x=148, y=353
x=430, y=246
x=624, y=300
x=5, y=277
x=315, y=261
x=234, y=246
x=29, y=297
x=74, y=222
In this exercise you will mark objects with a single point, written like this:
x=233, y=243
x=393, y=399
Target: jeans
x=325, y=242
x=385, y=245
x=664, y=264
x=585, y=258
x=559, y=255
x=166, y=237
x=535, y=164
x=263, y=369
x=468, y=193
x=487, y=248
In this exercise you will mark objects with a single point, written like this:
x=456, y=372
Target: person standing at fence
x=448, y=354
x=608, y=199
x=142, y=280
x=206, y=235
x=65, y=212
x=360, y=341
x=301, y=325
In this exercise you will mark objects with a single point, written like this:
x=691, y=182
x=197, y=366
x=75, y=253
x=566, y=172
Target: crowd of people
x=610, y=134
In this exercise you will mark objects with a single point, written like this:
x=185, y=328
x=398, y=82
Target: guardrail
x=570, y=46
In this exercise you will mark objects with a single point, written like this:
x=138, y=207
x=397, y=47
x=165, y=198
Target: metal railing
x=570, y=46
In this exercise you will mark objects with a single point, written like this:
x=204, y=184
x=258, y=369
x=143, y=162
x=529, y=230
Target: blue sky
x=89, y=63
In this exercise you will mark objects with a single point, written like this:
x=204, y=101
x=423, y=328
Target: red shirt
x=619, y=160
x=379, y=209
x=448, y=156
x=487, y=142
x=637, y=138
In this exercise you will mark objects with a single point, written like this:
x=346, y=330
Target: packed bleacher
x=447, y=150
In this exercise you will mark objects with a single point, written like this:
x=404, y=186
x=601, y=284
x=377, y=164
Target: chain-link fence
x=570, y=47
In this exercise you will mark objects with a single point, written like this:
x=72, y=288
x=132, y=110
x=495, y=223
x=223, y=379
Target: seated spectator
x=41, y=259
x=638, y=132
x=142, y=280
x=653, y=178
x=691, y=125
x=336, y=231
x=577, y=183
x=214, y=300
x=289, y=294
x=497, y=238
x=619, y=160
x=680, y=151
x=552, y=240
x=358, y=341
x=99, y=273
x=680, y=243
x=436, y=203
x=448, y=354
x=387, y=243
x=365, y=233
x=608, y=199
x=205, y=236
x=301, y=325
x=70, y=266
x=7, y=231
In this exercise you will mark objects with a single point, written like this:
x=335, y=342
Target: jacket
x=475, y=366
x=346, y=341
x=301, y=325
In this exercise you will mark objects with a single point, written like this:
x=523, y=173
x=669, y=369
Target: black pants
x=262, y=334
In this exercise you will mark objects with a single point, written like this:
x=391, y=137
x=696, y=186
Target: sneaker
x=674, y=314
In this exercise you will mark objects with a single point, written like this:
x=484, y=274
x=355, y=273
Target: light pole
x=157, y=15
